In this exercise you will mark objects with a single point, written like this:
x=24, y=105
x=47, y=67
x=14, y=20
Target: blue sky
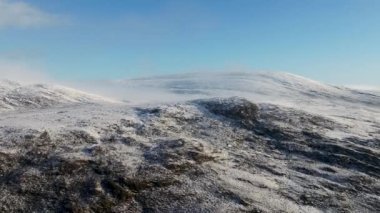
x=335, y=41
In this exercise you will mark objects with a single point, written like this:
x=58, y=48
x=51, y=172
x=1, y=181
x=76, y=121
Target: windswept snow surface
x=355, y=108
x=233, y=142
x=277, y=88
x=15, y=96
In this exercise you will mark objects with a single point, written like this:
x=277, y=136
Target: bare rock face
x=213, y=155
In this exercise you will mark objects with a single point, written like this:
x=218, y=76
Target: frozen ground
x=358, y=109
x=236, y=142
x=16, y=96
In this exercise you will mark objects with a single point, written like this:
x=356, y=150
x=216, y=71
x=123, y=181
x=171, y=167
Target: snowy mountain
x=233, y=142
x=356, y=108
x=14, y=95
x=262, y=87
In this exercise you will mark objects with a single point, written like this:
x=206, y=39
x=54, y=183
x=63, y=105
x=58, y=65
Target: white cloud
x=17, y=14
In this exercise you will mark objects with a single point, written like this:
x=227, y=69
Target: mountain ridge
x=14, y=96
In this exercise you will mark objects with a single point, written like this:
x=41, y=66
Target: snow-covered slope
x=209, y=155
x=265, y=86
x=17, y=96
x=284, y=144
x=356, y=108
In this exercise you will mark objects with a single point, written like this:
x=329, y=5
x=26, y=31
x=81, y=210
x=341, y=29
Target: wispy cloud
x=17, y=14
x=22, y=72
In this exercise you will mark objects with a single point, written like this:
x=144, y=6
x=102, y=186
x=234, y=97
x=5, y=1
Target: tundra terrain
x=232, y=142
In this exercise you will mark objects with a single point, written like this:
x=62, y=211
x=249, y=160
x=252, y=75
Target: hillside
x=15, y=96
x=268, y=142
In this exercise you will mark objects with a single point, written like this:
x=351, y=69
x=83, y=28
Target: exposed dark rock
x=238, y=109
